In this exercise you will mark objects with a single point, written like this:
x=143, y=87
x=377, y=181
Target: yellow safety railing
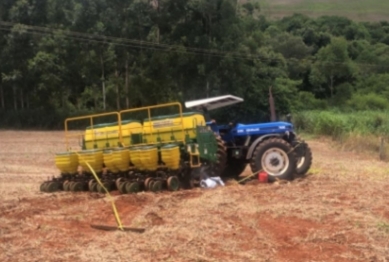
x=149, y=108
x=119, y=115
x=91, y=117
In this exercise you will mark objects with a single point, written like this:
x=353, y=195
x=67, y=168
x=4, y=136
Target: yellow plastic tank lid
x=64, y=153
x=119, y=149
x=170, y=145
x=124, y=122
x=90, y=151
x=148, y=147
x=135, y=148
x=97, y=126
x=184, y=114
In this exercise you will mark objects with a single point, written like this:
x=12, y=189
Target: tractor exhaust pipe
x=272, y=107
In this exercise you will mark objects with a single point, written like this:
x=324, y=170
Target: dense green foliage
x=364, y=131
x=61, y=58
x=360, y=10
x=342, y=124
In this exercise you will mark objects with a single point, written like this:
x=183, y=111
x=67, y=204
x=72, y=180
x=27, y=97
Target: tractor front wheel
x=276, y=157
x=304, y=163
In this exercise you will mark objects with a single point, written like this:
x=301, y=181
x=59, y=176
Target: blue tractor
x=273, y=147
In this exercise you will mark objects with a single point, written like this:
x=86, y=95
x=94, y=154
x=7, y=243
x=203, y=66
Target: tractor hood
x=263, y=128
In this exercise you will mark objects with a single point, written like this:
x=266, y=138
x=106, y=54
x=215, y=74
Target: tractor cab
x=208, y=104
x=233, y=131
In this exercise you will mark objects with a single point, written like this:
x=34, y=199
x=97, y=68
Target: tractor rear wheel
x=220, y=165
x=185, y=180
x=234, y=168
x=276, y=157
x=221, y=157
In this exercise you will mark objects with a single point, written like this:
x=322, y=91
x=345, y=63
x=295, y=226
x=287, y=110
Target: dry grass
x=337, y=213
x=375, y=146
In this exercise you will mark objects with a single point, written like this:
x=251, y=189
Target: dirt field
x=337, y=213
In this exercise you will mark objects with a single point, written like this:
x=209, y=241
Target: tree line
x=62, y=58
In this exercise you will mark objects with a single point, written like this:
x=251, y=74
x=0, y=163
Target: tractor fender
x=257, y=141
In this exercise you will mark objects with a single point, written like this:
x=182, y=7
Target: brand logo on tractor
x=249, y=130
x=252, y=129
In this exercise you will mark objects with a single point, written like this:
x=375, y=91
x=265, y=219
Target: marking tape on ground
x=115, y=212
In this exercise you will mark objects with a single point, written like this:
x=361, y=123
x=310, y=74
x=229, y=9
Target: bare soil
x=339, y=212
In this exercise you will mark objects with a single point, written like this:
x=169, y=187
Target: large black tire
x=304, y=163
x=220, y=165
x=276, y=157
x=234, y=168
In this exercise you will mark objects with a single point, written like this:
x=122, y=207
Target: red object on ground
x=262, y=177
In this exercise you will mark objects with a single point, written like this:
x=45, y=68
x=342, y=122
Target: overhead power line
x=7, y=26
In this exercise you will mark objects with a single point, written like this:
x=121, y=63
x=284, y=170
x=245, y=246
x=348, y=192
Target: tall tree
x=333, y=66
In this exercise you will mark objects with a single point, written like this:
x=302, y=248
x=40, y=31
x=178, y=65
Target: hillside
x=359, y=10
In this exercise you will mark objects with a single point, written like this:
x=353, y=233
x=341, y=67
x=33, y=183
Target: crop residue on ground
x=337, y=213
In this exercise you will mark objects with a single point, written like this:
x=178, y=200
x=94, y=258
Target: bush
x=307, y=101
x=368, y=102
x=340, y=124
